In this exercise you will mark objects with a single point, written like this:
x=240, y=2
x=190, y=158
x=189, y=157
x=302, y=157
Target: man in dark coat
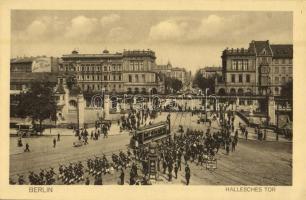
x=87, y=182
x=187, y=174
x=122, y=177
x=175, y=170
x=27, y=148
x=54, y=143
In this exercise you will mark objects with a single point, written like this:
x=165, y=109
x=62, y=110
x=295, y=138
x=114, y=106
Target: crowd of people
x=185, y=147
x=136, y=118
x=76, y=172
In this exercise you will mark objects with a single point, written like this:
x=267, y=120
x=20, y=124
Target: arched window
x=240, y=91
x=221, y=91
x=73, y=103
x=136, y=91
x=232, y=91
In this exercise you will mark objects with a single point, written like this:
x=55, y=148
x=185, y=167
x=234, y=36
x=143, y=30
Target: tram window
x=140, y=139
x=153, y=133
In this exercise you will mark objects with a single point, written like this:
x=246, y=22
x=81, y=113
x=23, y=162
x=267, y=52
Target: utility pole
x=206, y=103
x=78, y=115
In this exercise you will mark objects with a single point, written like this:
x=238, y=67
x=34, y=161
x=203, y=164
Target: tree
x=38, y=103
x=173, y=84
x=71, y=81
x=204, y=83
x=177, y=85
x=287, y=91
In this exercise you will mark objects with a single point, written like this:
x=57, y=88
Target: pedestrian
x=175, y=170
x=170, y=168
x=233, y=145
x=246, y=134
x=164, y=166
x=85, y=140
x=27, y=149
x=87, y=182
x=187, y=174
x=132, y=177
x=19, y=142
x=58, y=137
x=122, y=177
x=227, y=147
x=98, y=180
x=54, y=142
x=20, y=180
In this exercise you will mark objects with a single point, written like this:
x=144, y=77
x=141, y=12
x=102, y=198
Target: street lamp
x=78, y=115
x=206, y=103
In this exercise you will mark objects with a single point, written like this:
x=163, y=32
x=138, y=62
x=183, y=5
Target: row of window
x=137, y=78
x=282, y=61
x=99, y=87
x=16, y=87
x=282, y=80
x=240, y=65
x=136, y=66
x=283, y=70
x=90, y=68
x=275, y=61
x=240, y=78
x=21, y=68
x=99, y=78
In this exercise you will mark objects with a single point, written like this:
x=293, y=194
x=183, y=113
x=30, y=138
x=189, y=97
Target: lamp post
x=78, y=117
x=206, y=103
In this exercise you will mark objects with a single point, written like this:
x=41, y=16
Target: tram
x=147, y=134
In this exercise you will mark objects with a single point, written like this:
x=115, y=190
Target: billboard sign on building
x=42, y=64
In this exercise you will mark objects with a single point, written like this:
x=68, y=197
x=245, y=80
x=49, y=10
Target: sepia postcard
x=191, y=100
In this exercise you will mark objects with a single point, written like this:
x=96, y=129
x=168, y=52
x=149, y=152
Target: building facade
x=259, y=70
x=138, y=73
x=164, y=69
x=127, y=72
x=210, y=72
x=34, y=64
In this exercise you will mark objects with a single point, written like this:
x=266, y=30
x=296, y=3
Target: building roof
x=260, y=47
x=212, y=69
x=22, y=60
x=238, y=52
x=282, y=50
x=178, y=69
x=108, y=55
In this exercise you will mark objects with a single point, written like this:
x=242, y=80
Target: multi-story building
x=261, y=69
x=238, y=72
x=210, y=72
x=281, y=66
x=138, y=73
x=34, y=64
x=95, y=72
x=164, y=69
x=130, y=71
x=179, y=73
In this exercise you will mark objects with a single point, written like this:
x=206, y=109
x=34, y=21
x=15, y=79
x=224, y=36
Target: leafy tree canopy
x=173, y=84
x=38, y=102
x=204, y=83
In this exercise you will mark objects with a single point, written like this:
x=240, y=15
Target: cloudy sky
x=189, y=39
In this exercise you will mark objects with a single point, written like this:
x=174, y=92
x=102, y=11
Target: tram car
x=147, y=134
